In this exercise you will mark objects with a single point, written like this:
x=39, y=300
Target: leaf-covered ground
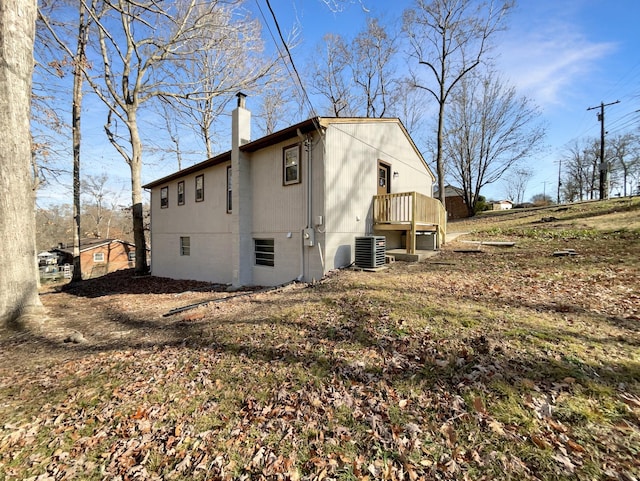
x=508, y=363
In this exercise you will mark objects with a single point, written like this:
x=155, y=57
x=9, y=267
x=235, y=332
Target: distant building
x=502, y=205
x=454, y=203
x=99, y=256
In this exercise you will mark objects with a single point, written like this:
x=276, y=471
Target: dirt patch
x=116, y=311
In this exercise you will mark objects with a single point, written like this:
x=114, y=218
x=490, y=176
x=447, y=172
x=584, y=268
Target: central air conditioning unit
x=370, y=251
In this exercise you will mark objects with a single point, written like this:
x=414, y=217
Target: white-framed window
x=181, y=192
x=98, y=257
x=131, y=255
x=264, y=252
x=199, y=188
x=164, y=197
x=185, y=246
x=229, y=190
x=291, y=165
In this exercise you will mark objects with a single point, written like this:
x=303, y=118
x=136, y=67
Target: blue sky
x=564, y=55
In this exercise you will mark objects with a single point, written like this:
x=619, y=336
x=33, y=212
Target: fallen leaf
x=575, y=447
x=450, y=435
x=540, y=442
x=565, y=461
x=479, y=405
x=497, y=427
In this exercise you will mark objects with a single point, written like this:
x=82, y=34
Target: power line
x=299, y=83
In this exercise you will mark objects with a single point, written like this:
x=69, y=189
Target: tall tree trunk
x=136, y=195
x=76, y=112
x=20, y=306
x=439, y=159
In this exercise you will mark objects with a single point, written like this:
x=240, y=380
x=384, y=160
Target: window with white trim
x=185, y=246
x=264, y=252
x=164, y=197
x=98, y=257
x=291, y=165
x=131, y=255
x=199, y=188
x=181, y=192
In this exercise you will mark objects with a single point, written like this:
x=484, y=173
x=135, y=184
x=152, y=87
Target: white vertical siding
x=344, y=181
x=276, y=207
x=280, y=212
x=353, y=152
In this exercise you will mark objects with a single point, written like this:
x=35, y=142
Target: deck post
x=412, y=233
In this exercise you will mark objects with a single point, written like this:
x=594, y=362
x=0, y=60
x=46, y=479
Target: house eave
x=304, y=127
x=218, y=159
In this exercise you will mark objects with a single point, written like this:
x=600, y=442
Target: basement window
x=185, y=246
x=164, y=197
x=264, y=252
x=291, y=164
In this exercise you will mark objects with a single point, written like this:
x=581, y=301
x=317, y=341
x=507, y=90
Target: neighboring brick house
x=99, y=256
x=455, y=204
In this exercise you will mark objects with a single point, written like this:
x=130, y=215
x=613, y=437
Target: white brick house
x=283, y=207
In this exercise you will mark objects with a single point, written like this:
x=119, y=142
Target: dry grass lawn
x=507, y=363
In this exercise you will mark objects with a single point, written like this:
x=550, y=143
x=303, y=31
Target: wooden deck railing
x=411, y=211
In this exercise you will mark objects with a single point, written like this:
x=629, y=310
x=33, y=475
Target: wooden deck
x=411, y=212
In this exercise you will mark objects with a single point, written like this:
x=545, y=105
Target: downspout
x=308, y=237
x=302, y=270
x=308, y=146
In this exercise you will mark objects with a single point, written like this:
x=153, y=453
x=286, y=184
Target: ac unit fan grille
x=370, y=251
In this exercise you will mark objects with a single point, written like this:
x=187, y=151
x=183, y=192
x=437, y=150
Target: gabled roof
x=304, y=127
x=451, y=191
x=90, y=243
x=271, y=139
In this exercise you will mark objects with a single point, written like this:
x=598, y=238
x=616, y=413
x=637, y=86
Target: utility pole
x=559, y=178
x=604, y=166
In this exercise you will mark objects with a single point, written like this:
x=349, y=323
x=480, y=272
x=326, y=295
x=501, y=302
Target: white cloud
x=548, y=63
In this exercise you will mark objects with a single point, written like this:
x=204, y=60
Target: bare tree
x=100, y=203
x=53, y=225
x=449, y=38
x=79, y=64
x=541, y=200
x=20, y=306
x=341, y=5
x=277, y=106
x=227, y=57
x=516, y=184
x=373, y=70
x=492, y=130
x=625, y=154
x=581, y=175
x=143, y=48
x=408, y=105
x=331, y=76
x=358, y=78
x=50, y=126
